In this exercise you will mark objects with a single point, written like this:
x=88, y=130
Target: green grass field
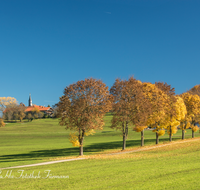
x=173, y=167
x=41, y=140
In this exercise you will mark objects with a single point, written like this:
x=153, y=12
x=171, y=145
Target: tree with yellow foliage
x=158, y=101
x=181, y=112
x=35, y=111
x=2, y=124
x=6, y=101
x=192, y=102
x=171, y=109
x=173, y=121
x=82, y=108
x=195, y=90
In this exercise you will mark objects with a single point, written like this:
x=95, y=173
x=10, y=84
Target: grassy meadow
x=176, y=166
x=171, y=167
x=42, y=140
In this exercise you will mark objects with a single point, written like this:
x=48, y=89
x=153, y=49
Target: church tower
x=30, y=100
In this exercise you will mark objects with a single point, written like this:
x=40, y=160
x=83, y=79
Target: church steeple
x=30, y=100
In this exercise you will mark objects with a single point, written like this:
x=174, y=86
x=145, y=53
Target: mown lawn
x=43, y=140
x=176, y=166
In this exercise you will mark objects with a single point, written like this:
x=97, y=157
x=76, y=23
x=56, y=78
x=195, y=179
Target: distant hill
x=195, y=90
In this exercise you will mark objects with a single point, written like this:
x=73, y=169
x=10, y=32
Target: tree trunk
x=170, y=134
x=126, y=130
x=193, y=124
x=142, y=137
x=124, y=138
x=157, y=138
x=125, y=134
x=81, y=150
x=192, y=134
x=124, y=141
x=81, y=138
x=183, y=134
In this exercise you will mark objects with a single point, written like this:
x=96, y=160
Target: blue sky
x=46, y=45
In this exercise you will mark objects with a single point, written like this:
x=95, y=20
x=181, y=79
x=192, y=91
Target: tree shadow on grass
x=88, y=150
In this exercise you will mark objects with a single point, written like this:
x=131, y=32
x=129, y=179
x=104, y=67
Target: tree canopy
x=192, y=103
x=6, y=101
x=129, y=105
x=82, y=108
x=195, y=90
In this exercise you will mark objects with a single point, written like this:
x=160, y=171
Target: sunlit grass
x=175, y=166
x=44, y=140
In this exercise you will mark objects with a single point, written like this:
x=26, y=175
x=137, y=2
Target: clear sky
x=46, y=45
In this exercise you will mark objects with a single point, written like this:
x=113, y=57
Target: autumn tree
x=127, y=97
x=15, y=116
x=14, y=112
x=55, y=111
x=40, y=114
x=82, y=108
x=176, y=119
x=195, y=90
x=35, y=111
x=171, y=122
x=29, y=117
x=8, y=114
x=6, y=101
x=130, y=108
x=171, y=111
x=158, y=100
x=140, y=111
x=2, y=124
x=192, y=102
x=21, y=112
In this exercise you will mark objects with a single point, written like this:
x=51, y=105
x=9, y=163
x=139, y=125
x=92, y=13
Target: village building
x=31, y=107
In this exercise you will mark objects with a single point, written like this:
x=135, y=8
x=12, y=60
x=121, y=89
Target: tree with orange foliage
x=124, y=93
x=192, y=102
x=82, y=108
x=129, y=107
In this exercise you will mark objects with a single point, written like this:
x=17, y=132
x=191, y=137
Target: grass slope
x=171, y=167
x=42, y=140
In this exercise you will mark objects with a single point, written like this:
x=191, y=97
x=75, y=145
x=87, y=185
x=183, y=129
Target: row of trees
x=156, y=106
x=134, y=105
x=14, y=112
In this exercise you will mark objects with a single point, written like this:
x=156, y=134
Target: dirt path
x=115, y=153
